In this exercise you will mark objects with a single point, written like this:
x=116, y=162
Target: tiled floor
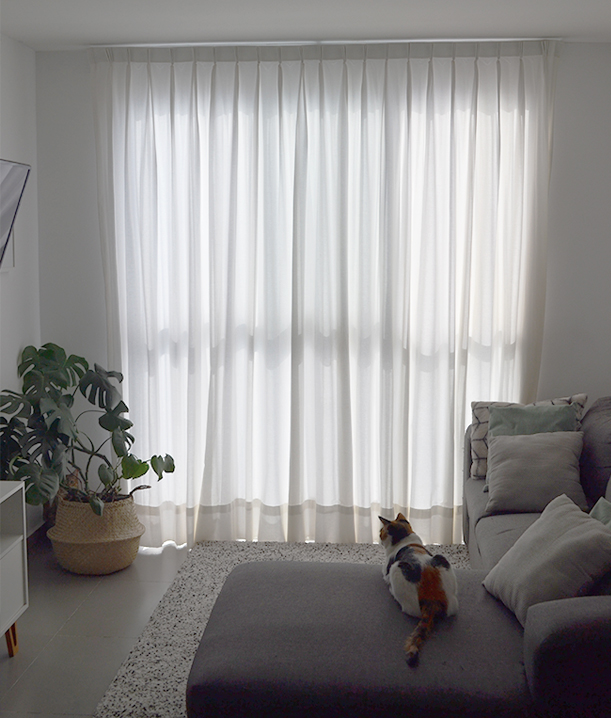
x=77, y=631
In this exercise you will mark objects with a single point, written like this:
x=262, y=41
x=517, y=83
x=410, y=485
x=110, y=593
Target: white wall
x=19, y=296
x=577, y=337
x=72, y=300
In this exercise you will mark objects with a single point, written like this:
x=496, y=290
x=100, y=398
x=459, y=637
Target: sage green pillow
x=602, y=511
x=521, y=420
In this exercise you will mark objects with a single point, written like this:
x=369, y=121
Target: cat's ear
x=384, y=521
x=400, y=517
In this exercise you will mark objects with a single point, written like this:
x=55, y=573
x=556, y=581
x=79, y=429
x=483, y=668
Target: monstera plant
x=42, y=440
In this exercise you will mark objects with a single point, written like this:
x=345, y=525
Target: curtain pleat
x=316, y=257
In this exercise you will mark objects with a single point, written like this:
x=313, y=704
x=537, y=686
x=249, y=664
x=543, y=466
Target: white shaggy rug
x=152, y=681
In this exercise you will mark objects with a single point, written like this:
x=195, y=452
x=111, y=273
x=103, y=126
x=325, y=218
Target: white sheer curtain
x=316, y=257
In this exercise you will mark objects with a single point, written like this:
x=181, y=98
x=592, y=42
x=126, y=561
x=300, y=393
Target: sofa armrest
x=567, y=656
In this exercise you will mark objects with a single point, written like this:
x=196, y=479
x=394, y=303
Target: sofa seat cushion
x=497, y=533
x=326, y=639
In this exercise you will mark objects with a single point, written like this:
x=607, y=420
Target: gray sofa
x=490, y=536
x=567, y=642
x=323, y=640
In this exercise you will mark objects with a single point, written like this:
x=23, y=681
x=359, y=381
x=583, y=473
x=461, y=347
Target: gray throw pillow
x=559, y=556
x=526, y=472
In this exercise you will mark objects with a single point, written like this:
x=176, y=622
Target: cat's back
x=450, y=587
x=416, y=577
x=404, y=573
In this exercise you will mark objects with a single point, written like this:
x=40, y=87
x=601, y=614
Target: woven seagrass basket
x=86, y=543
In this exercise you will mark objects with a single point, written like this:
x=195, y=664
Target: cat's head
x=394, y=531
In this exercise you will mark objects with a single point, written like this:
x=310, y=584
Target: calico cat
x=422, y=584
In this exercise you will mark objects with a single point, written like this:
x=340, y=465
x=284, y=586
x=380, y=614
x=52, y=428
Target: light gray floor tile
x=69, y=676
x=54, y=594
x=156, y=566
x=51, y=605
x=11, y=669
x=115, y=609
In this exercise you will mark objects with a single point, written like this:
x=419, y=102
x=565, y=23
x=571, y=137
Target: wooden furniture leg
x=11, y=640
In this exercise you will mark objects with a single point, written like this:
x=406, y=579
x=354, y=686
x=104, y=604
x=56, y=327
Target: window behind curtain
x=316, y=258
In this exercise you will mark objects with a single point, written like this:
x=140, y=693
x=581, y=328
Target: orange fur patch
x=431, y=587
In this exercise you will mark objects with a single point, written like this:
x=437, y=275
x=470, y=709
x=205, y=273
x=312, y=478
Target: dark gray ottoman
x=326, y=639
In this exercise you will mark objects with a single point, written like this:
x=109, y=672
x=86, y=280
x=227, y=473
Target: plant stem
x=88, y=411
x=93, y=453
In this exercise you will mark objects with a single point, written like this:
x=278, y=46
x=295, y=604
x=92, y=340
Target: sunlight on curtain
x=316, y=258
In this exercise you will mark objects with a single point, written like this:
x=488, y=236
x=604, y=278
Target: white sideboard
x=13, y=560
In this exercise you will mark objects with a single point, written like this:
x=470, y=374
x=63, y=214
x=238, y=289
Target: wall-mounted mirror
x=13, y=178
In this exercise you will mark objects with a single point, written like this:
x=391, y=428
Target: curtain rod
x=297, y=43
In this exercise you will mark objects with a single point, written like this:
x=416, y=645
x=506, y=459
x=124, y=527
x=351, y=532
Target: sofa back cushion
x=595, y=462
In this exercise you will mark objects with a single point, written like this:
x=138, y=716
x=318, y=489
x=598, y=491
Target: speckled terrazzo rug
x=152, y=681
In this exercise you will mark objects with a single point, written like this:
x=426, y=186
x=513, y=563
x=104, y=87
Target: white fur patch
x=406, y=592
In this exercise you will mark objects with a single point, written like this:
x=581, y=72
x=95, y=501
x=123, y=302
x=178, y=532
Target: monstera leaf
x=115, y=423
x=106, y=475
x=97, y=387
x=41, y=484
x=113, y=420
x=59, y=460
x=161, y=464
x=13, y=403
x=12, y=433
x=59, y=412
x=40, y=440
x=132, y=467
x=97, y=505
x=49, y=367
x=121, y=442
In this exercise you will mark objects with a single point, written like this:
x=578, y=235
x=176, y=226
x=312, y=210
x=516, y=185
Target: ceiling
x=69, y=24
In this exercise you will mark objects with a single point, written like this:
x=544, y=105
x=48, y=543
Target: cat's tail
x=431, y=612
